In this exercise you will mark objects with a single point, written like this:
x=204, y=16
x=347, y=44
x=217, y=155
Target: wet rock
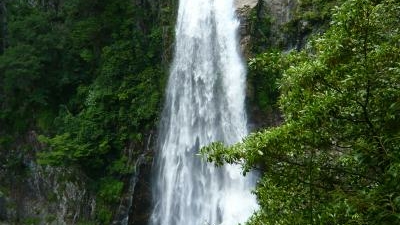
x=3, y=208
x=142, y=198
x=243, y=10
x=44, y=194
x=280, y=10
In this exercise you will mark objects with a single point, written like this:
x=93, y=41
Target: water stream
x=204, y=103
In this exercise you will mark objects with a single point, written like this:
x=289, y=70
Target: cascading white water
x=204, y=103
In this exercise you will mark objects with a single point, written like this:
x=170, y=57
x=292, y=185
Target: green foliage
x=335, y=159
x=260, y=29
x=309, y=17
x=86, y=223
x=87, y=76
x=113, y=114
x=26, y=79
x=50, y=218
x=31, y=221
x=110, y=189
x=264, y=71
x=103, y=214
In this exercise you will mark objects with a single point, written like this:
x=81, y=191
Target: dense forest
x=81, y=89
x=85, y=79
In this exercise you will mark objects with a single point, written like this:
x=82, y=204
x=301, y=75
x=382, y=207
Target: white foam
x=204, y=103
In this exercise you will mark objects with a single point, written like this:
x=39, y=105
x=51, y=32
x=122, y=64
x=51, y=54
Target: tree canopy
x=87, y=76
x=335, y=158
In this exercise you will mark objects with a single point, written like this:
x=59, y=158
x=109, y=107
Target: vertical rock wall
x=266, y=18
x=44, y=195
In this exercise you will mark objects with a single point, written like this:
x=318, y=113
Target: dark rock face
x=43, y=195
x=3, y=208
x=142, y=198
x=136, y=202
x=280, y=13
x=243, y=14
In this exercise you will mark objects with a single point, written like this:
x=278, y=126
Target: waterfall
x=204, y=103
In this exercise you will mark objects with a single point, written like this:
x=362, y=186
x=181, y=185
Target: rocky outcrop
x=243, y=11
x=280, y=13
x=262, y=25
x=253, y=14
x=43, y=194
x=239, y=4
x=3, y=209
x=280, y=10
x=135, y=202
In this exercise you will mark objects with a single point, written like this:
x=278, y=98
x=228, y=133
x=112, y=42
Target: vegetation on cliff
x=87, y=76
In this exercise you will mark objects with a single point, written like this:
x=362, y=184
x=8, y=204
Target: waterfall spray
x=204, y=103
